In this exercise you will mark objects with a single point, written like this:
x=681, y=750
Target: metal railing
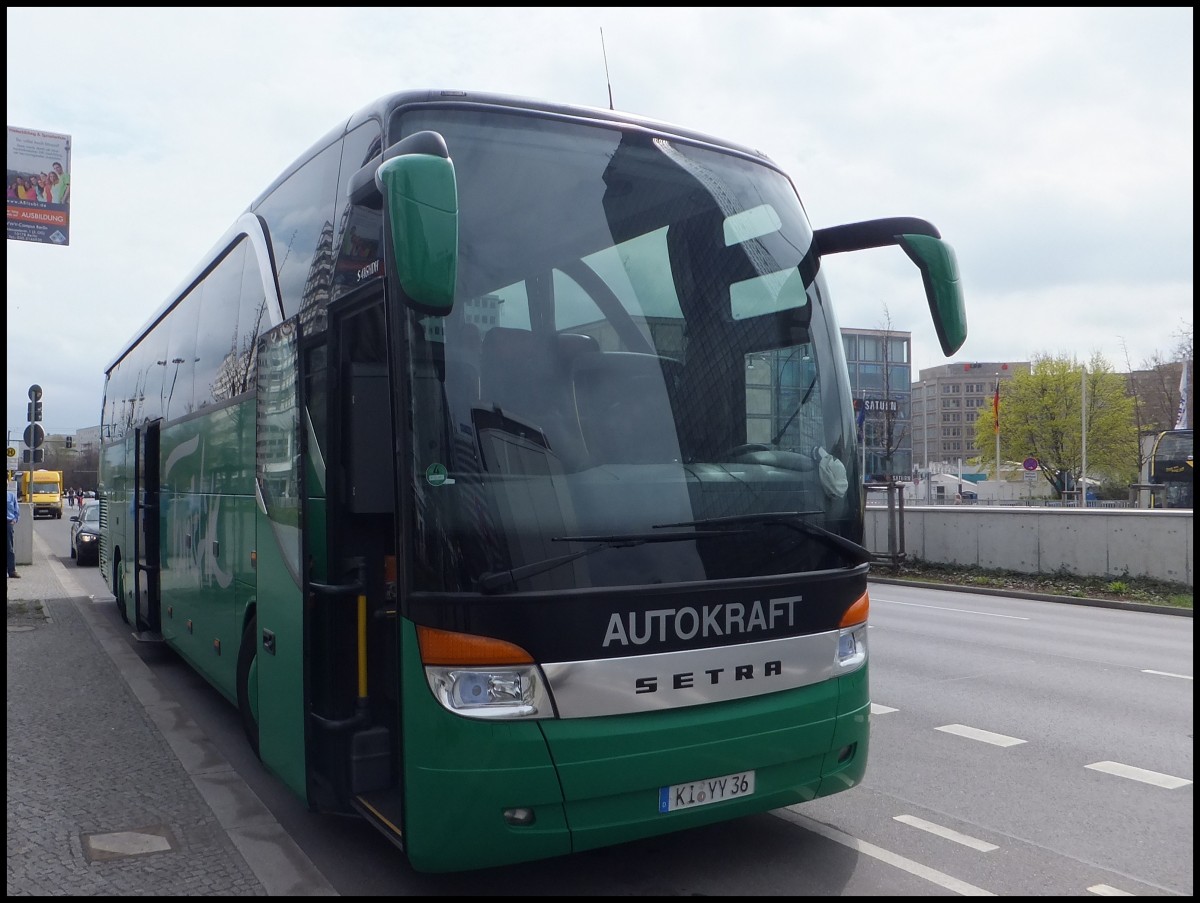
x=879, y=500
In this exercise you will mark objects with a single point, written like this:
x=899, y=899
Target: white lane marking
x=941, y=879
x=1105, y=890
x=1158, y=779
x=877, y=709
x=974, y=733
x=1167, y=674
x=965, y=839
x=964, y=611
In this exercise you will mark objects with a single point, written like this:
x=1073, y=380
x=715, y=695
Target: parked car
x=85, y=533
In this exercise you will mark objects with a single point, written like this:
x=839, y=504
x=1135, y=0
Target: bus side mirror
x=943, y=289
x=924, y=246
x=420, y=193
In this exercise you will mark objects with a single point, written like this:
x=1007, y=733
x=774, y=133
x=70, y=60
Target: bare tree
x=1155, y=388
x=1185, y=348
x=1139, y=410
x=895, y=429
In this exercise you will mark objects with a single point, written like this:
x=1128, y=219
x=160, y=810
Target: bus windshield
x=641, y=344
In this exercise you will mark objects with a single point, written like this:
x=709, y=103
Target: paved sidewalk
x=112, y=789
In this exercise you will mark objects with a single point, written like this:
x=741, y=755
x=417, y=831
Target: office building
x=946, y=402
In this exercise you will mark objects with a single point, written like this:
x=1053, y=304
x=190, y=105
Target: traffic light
x=70, y=441
x=34, y=409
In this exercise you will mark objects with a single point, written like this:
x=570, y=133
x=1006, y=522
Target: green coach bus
x=499, y=465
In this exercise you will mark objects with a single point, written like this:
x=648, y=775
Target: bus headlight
x=507, y=692
x=852, y=647
x=852, y=636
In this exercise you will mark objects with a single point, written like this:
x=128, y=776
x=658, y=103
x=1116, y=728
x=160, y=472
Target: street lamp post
x=925, y=430
x=1083, y=439
x=998, y=483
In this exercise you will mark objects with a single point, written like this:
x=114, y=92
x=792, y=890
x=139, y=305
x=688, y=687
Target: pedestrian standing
x=14, y=515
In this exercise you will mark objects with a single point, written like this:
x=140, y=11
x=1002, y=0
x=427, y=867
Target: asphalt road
x=1018, y=747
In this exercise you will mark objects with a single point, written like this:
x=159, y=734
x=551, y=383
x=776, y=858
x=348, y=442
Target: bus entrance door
x=351, y=622
x=146, y=533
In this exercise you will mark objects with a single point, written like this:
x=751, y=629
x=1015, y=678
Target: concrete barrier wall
x=23, y=536
x=1090, y=542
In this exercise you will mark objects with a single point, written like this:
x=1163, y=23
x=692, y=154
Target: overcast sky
x=1052, y=147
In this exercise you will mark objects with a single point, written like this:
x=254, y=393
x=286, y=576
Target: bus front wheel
x=246, y=668
x=119, y=590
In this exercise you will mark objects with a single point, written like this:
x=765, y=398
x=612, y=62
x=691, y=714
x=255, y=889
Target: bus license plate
x=701, y=793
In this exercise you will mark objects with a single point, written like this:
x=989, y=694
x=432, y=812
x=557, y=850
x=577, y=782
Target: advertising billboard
x=39, y=186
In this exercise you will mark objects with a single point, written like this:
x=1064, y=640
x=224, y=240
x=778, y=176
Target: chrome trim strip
x=677, y=679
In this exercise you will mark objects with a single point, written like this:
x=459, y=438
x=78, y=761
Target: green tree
x=1041, y=415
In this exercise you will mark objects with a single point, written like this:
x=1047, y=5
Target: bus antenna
x=606, y=75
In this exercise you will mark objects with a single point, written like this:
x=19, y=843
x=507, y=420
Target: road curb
x=1040, y=597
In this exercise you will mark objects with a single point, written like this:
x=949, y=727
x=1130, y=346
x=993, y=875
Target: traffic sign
x=1031, y=476
x=12, y=452
x=1030, y=463
x=35, y=392
x=35, y=435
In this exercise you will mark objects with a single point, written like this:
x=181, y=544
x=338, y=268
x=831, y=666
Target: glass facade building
x=880, y=365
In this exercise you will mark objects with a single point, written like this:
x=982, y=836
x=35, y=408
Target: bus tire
x=247, y=659
x=119, y=590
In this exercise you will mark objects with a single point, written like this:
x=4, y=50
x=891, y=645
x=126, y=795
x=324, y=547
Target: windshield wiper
x=496, y=579
x=852, y=551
